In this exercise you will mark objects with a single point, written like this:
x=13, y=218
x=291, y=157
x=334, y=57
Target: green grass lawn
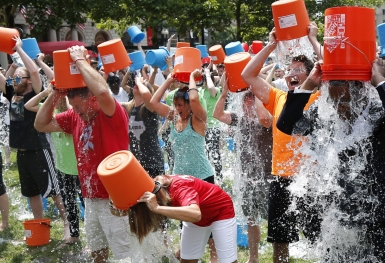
x=14, y=250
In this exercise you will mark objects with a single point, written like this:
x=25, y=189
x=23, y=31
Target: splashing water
x=332, y=175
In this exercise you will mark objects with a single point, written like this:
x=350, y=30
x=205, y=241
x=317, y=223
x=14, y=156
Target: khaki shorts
x=106, y=230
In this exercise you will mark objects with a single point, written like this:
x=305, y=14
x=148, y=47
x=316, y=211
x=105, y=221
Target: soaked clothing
x=143, y=127
x=94, y=141
x=363, y=198
x=284, y=161
x=190, y=155
x=255, y=146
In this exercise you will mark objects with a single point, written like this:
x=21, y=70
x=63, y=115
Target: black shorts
x=2, y=184
x=283, y=224
x=37, y=173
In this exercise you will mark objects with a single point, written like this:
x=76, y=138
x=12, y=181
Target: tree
x=44, y=14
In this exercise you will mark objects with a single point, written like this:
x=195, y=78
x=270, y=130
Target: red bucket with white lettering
x=349, y=43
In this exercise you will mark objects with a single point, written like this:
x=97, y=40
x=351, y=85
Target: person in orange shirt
x=282, y=223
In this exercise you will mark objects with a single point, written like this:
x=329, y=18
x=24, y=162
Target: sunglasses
x=16, y=79
x=294, y=71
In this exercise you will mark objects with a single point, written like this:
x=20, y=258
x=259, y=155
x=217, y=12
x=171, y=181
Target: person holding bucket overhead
x=282, y=225
x=203, y=207
x=188, y=128
x=362, y=200
x=143, y=128
x=94, y=115
x=254, y=143
x=34, y=157
x=65, y=163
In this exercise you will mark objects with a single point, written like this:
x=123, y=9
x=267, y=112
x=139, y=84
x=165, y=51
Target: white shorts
x=194, y=240
x=106, y=230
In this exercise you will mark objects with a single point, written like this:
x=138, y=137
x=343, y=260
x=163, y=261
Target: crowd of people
x=277, y=124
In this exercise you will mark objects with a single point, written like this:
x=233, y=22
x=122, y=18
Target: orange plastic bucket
x=182, y=44
x=113, y=55
x=234, y=65
x=291, y=20
x=187, y=59
x=67, y=75
x=7, y=43
x=124, y=179
x=349, y=43
x=217, y=54
x=37, y=232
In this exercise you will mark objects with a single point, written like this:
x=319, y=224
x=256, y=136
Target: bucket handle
x=347, y=42
x=46, y=224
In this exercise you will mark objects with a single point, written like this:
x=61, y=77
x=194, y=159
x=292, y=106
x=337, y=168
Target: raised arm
x=33, y=103
x=152, y=78
x=264, y=116
x=312, y=36
x=193, y=96
x=47, y=70
x=258, y=85
x=219, y=112
x=145, y=92
x=30, y=65
x=95, y=83
x=263, y=73
x=210, y=84
x=169, y=42
x=378, y=78
x=45, y=121
x=162, y=109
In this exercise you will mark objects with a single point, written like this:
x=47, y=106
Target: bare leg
x=7, y=151
x=60, y=206
x=281, y=252
x=254, y=237
x=213, y=251
x=36, y=206
x=100, y=256
x=4, y=209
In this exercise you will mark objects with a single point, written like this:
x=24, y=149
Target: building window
x=383, y=12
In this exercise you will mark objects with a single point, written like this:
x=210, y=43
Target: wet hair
x=143, y=221
x=220, y=66
x=81, y=92
x=308, y=63
x=182, y=93
x=248, y=94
